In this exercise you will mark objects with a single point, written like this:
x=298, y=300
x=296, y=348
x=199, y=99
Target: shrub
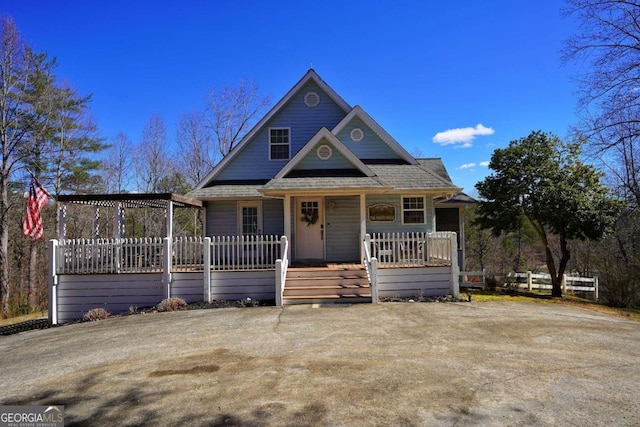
x=172, y=304
x=248, y=302
x=96, y=314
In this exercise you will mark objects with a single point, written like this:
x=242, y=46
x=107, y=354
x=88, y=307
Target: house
x=317, y=203
x=325, y=175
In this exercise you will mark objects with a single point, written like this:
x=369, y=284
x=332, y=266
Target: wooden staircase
x=335, y=283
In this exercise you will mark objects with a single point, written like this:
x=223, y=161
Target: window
x=413, y=210
x=279, y=143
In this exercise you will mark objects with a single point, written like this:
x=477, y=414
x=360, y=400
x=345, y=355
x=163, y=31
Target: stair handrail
x=282, y=264
x=371, y=267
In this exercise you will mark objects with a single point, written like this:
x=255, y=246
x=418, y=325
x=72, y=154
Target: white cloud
x=467, y=166
x=462, y=135
x=485, y=163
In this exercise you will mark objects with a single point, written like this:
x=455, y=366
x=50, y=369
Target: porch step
x=326, y=285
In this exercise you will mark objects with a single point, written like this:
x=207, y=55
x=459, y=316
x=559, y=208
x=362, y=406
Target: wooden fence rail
x=531, y=281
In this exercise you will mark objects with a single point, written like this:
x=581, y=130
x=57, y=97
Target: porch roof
x=412, y=177
x=227, y=191
x=324, y=183
x=131, y=200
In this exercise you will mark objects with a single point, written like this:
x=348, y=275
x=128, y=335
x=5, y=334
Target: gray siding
x=397, y=226
x=222, y=218
x=304, y=122
x=343, y=228
x=336, y=161
x=371, y=146
x=77, y=294
x=273, y=216
x=188, y=286
x=414, y=282
x=237, y=285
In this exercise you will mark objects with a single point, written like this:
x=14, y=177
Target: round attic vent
x=311, y=99
x=324, y=152
x=357, y=134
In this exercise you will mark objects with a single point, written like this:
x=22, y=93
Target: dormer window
x=279, y=143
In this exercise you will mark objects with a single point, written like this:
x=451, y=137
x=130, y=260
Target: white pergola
x=120, y=202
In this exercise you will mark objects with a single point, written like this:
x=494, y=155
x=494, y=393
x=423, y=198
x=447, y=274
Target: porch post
x=62, y=221
x=53, y=283
x=206, y=251
x=166, y=271
x=118, y=220
x=169, y=218
x=287, y=222
x=96, y=222
x=455, y=270
x=363, y=221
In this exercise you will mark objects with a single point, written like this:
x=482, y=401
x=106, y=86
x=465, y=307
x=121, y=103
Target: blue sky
x=451, y=79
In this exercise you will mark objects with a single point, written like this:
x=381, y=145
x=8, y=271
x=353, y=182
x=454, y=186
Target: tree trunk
x=4, y=247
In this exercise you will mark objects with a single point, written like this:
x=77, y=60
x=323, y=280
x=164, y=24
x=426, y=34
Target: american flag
x=38, y=197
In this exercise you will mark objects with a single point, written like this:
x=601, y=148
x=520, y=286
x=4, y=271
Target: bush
x=96, y=314
x=172, y=304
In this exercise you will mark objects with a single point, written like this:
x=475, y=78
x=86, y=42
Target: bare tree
x=195, y=149
x=151, y=159
x=117, y=164
x=231, y=111
x=608, y=40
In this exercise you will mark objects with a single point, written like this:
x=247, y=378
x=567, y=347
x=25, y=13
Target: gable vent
x=311, y=99
x=357, y=135
x=324, y=152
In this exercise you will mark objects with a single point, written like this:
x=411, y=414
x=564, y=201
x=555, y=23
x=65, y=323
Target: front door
x=309, y=229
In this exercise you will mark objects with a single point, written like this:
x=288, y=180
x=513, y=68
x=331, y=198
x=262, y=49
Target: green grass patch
x=538, y=298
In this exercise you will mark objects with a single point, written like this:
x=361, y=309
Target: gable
x=325, y=152
x=358, y=115
x=302, y=123
x=370, y=147
x=250, y=159
x=324, y=156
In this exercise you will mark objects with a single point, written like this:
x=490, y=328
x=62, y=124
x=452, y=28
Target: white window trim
x=424, y=208
x=289, y=144
x=249, y=204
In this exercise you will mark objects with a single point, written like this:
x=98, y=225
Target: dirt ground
x=395, y=364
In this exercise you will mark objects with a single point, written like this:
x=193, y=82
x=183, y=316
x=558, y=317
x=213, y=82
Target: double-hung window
x=413, y=210
x=279, y=143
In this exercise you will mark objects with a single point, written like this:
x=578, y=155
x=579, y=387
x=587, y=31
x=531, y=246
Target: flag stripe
x=38, y=197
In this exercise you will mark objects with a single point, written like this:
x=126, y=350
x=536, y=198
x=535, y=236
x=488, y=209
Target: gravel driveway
x=390, y=364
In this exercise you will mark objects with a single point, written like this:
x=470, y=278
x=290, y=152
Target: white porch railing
x=97, y=256
x=147, y=255
x=244, y=252
x=371, y=267
x=412, y=249
x=282, y=264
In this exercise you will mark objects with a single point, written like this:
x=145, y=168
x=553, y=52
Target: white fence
x=412, y=249
x=531, y=281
